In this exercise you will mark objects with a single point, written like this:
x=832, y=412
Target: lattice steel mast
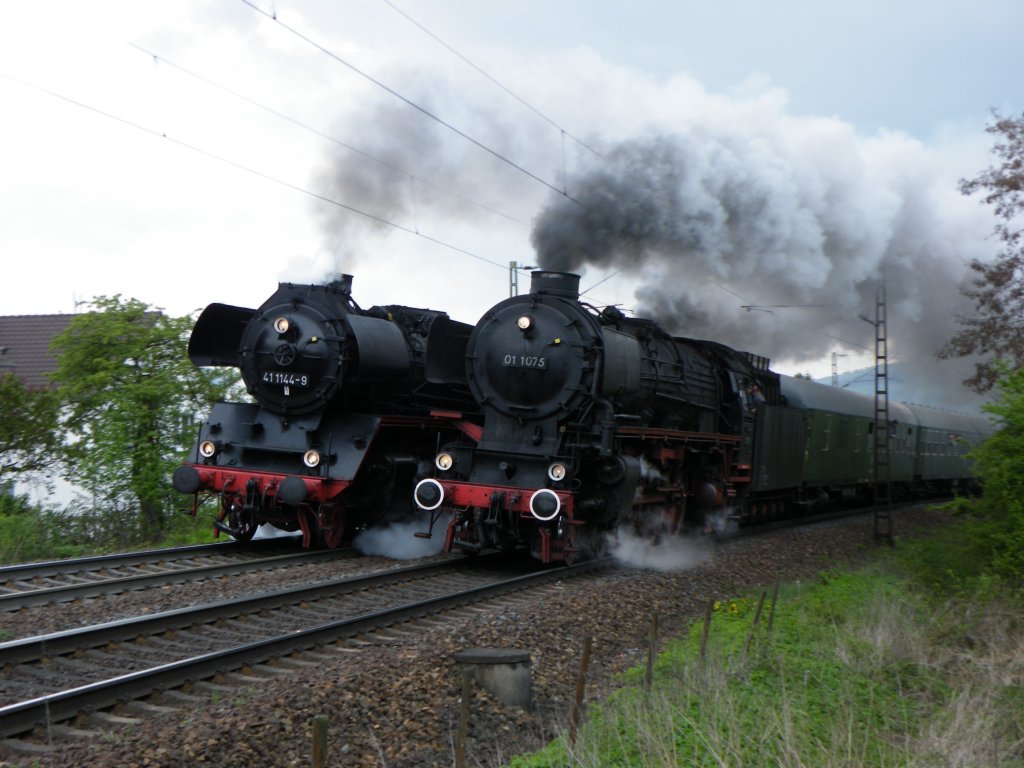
x=884, y=429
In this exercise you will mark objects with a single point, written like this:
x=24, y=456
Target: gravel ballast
x=394, y=700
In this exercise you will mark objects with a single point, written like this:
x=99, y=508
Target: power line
x=248, y=169
x=507, y=90
x=604, y=279
x=411, y=103
x=293, y=121
x=769, y=307
x=727, y=289
x=847, y=341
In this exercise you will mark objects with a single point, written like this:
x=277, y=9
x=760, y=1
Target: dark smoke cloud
x=414, y=172
x=705, y=202
x=807, y=218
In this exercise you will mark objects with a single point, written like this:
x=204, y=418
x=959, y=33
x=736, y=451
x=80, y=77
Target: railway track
x=50, y=679
x=34, y=584
x=37, y=584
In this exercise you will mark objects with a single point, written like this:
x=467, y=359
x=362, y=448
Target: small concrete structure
x=505, y=673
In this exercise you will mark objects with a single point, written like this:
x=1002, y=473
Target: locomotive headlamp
x=208, y=449
x=557, y=471
x=444, y=461
x=311, y=458
x=281, y=325
x=525, y=322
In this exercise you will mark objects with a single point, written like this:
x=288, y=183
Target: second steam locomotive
x=347, y=403
x=594, y=421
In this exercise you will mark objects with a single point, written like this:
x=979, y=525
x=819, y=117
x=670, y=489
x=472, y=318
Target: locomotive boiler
x=594, y=421
x=346, y=404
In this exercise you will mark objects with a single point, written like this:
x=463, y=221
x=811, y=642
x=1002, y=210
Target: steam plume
x=796, y=224
x=707, y=202
x=671, y=554
x=398, y=541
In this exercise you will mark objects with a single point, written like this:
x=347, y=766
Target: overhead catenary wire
x=419, y=108
x=501, y=85
x=769, y=307
x=248, y=169
x=156, y=57
x=749, y=306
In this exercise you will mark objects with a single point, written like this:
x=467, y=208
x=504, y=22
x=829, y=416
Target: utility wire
x=847, y=341
x=507, y=90
x=253, y=171
x=293, y=121
x=604, y=279
x=727, y=289
x=411, y=103
x=768, y=308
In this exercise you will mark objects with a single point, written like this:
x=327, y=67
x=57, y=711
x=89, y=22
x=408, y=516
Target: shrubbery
x=994, y=542
x=29, y=532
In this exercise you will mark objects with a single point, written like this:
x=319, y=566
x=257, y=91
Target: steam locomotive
x=594, y=421
x=347, y=404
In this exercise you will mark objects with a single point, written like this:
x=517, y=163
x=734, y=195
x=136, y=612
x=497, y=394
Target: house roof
x=25, y=346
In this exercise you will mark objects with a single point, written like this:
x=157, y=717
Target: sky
x=739, y=170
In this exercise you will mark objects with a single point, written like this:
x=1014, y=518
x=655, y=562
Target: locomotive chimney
x=342, y=283
x=564, y=284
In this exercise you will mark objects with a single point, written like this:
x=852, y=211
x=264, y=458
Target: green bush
x=994, y=541
x=29, y=532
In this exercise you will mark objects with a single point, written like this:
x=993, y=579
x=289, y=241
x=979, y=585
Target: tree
x=131, y=396
x=29, y=429
x=997, y=536
x=996, y=331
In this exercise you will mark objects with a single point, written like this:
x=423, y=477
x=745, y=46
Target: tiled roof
x=25, y=346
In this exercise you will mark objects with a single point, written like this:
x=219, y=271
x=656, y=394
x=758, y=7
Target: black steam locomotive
x=594, y=421
x=348, y=403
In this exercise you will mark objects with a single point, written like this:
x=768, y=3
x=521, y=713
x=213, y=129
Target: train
x=596, y=422
x=346, y=405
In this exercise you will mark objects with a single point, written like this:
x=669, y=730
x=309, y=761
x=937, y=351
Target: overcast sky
x=184, y=152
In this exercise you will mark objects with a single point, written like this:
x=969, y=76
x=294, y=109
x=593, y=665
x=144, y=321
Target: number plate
x=525, y=361
x=286, y=378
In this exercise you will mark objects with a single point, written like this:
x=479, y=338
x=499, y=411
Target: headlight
x=525, y=322
x=557, y=471
x=281, y=325
x=444, y=461
x=208, y=449
x=311, y=458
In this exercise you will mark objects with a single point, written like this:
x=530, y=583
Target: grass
x=861, y=668
x=31, y=534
